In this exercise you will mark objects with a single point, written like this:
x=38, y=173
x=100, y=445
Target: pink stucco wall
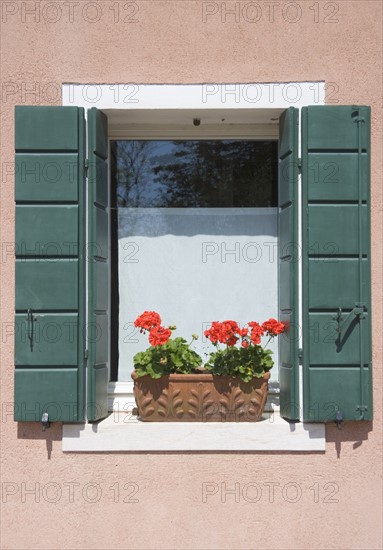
x=339, y=42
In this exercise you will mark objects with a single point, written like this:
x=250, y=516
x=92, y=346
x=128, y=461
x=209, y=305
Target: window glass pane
x=203, y=174
x=195, y=237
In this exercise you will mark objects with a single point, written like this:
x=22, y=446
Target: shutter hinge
x=86, y=165
x=299, y=165
x=86, y=354
x=300, y=356
x=356, y=114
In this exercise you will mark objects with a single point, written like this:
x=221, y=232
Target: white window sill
x=123, y=432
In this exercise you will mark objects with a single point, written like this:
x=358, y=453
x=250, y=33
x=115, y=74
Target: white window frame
x=145, y=111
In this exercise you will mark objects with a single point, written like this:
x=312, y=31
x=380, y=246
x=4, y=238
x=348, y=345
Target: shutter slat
x=331, y=175
x=43, y=284
x=47, y=129
x=54, y=391
x=46, y=177
x=53, y=228
x=49, y=329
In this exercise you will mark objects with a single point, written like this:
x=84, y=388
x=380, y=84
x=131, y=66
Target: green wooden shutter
x=98, y=267
x=49, y=242
x=288, y=263
x=336, y=263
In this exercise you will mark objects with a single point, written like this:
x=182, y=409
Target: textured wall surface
x=155, y=501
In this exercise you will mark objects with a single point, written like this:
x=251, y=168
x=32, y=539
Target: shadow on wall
x=34, y=430
x=349, y=431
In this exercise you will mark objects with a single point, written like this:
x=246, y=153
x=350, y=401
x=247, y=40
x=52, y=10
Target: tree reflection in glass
x=196, y=174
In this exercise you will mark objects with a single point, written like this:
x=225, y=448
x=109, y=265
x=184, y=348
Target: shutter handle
x=357, y=311
x=30, y=320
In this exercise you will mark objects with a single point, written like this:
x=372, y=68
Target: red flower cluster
x=225, y=332
x=273, y=327
x=256, y=332
x=148, y=320
x=158, y=336
x=151, y=321
x=229, y=332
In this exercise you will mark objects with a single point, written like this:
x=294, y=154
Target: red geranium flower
x=158, y=336
x=256, y=332
x=224, y=332
x=214, y=332
x=273, y=327
x=231, y=341
x=148, y=320
x=230, y=326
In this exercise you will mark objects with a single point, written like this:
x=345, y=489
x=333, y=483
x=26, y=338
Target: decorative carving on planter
x=200, y=398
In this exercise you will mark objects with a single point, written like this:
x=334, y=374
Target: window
x=325, y=272
x=189, y=214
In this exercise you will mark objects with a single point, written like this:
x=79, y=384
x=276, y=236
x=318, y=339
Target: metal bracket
x=299, y=165
x=338, y=419
x=45, y=421
x=357, y=311
x=361, y=409
x=31, y=319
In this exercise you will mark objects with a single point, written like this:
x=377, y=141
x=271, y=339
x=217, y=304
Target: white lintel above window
x=249, y=110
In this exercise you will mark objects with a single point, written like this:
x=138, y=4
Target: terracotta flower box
x=200, y=398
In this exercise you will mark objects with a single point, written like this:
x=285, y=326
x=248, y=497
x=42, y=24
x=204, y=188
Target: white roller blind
x=194, y=266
